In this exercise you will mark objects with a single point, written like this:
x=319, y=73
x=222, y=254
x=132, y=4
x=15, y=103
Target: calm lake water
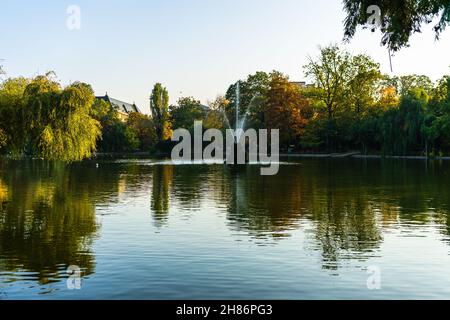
x=142, y=229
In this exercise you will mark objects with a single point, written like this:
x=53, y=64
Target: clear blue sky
x=194, y=47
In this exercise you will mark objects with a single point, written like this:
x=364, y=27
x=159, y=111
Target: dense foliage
x=159, y=106
x=399, y=18
x=38, y=117
x=349, y=106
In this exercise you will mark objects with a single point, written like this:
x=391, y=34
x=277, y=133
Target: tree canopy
x=400, y=19
x=159, y=106
x=186, y=113
x=42, y=119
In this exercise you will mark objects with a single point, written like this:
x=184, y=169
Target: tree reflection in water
x=45, y=224
x=349, y=203
x=344, y=208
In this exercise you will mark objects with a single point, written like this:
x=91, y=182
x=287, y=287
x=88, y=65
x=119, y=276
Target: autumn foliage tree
x=287, y=109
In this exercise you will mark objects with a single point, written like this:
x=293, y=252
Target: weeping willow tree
x=11, y=116
x=401, y=129
x=68, y=132
x=46, y=121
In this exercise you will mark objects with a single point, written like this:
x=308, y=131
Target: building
x=302, y=84
x=123, y=108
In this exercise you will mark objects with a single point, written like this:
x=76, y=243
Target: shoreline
x=348, y=155
x=356, y=155
x=344, y=155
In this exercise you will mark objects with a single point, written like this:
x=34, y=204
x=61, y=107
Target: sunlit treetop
x=399, y=19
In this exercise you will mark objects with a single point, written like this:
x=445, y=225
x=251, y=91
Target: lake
x=147, y=229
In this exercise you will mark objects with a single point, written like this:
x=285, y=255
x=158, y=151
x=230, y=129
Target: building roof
x=302, y=84
x=124, y=107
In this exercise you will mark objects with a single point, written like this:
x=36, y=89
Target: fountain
x=239, y=124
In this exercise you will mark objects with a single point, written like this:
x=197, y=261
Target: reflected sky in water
x=145, y=229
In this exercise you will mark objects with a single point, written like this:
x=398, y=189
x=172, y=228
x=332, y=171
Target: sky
x=193, y=47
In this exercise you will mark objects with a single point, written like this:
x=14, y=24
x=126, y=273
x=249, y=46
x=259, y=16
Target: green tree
x=12, y=121
x=216, y=117
x=42, y=119
x=363, y=83
x=404, y=84
x=144, y=129
x=65, y=130
x=331, y=73
x=186, y=113
x=118, y=137
x=253, y=92
x=437, y=126
x=361, y=94
x=400, y=19
x=102, y=111
x=441, y=92
x=159, y=105
x=402, y=130
x=3, y=139
x=414, y=107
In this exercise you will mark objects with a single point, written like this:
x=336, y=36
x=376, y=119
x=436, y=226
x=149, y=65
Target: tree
x=102, y=111
x=3, y=139
x=287, y=110
x=216, y=117
x=437, y=127
x=441, y=91
x=388, y=98
x=331, y=74
x=142, y=126
x=402, y=129
x=159, y=105
x=404, y=84
x=253, y=92
x=363, y=86
x=118, y=137
x=400, y=19
x=363, y=83
x=42, y=119
x=186, y=113
x=12, y=121
x=413, y=108
x=60, y=120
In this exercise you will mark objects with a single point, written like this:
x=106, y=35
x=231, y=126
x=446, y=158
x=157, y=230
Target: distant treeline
x=350, y=105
